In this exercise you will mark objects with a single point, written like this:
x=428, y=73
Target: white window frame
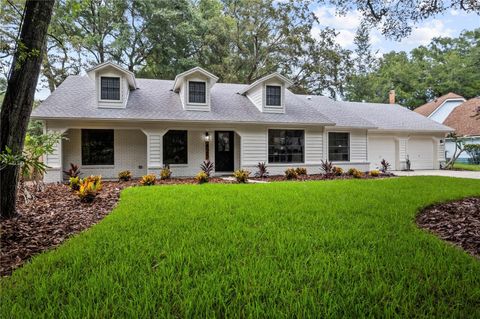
x=304, y=146
x=349, y=146
x=100, y=89
x=188, y=92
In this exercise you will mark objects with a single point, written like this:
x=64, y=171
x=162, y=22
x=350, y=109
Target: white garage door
x=420, y=151
x=381, y=147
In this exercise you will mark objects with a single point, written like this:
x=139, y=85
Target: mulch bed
x=457, y=222
x=316, y=177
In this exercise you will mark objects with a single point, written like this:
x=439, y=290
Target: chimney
x=391, y=96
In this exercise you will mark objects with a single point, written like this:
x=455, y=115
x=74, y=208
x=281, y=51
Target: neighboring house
x=114, y=122
x=454, y=111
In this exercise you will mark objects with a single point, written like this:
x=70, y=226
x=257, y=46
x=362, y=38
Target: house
x=113, y=121
x=454, y=111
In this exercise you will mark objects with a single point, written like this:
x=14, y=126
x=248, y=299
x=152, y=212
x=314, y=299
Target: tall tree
x=18, y=101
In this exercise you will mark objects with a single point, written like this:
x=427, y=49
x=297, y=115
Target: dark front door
x=224, y=157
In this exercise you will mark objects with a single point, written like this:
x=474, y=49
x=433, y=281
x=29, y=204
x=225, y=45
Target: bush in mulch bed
x=318, y=177
x=457, y=222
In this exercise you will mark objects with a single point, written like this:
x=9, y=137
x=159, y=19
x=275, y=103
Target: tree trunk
x=18, y=100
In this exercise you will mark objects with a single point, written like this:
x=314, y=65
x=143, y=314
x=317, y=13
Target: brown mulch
x=316, y=177
x=457, y=222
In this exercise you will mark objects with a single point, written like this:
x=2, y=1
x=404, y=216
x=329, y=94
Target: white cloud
x=328, y=18
x=424, y=34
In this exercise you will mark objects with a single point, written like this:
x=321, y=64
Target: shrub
x=73, y=171
x=125, y=176
x=89, y=189
x=74, y=183
x=473, y=150
x=165, y=172
x=327, y=168
x=291, y=173
x=262, y=170
x=241, y=175
x=207, y=167
x=355, y=173
x=148, y=180
x=337, y=171
x=93, y=178
x=301, y=171
x=201, y=177
x=385, y=166
x=375, y=173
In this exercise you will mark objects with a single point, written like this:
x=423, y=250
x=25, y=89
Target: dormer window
x=197, y=92
x=110, y=88
x=274, y=95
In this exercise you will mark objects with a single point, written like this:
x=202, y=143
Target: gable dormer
x=268, y=93
x=112, y=85
x=194, y=88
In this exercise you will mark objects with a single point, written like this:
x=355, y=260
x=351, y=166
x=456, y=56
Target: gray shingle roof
x=155, y=101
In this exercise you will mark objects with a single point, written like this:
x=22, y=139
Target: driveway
x=459, y=174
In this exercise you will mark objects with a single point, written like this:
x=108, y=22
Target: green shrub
x=301, y=171
x=125, y=176
x=337, y=171
x=74, y=183
x=201, y=177
x=374, y=173
x=165, y=172
x=291, y=173
x=148, y=180
x=89, y=188
x=241, y=175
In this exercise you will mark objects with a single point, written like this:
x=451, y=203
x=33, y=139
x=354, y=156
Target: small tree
x=459, y=149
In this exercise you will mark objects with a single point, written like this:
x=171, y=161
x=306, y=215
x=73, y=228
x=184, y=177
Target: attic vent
x=309, y=98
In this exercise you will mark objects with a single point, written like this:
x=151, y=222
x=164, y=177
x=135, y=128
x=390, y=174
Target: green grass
x=346, y=248
x=466, y=167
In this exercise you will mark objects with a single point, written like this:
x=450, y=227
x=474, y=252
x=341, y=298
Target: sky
x=450, y=24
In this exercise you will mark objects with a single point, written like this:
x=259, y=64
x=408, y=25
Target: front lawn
x=466, y=167
x=347, y=248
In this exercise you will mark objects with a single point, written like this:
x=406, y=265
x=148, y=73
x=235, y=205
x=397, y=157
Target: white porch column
x=54, y=161
x=154, y=150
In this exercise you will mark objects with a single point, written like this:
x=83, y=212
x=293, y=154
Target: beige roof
x=465, y=118
x=428, y=108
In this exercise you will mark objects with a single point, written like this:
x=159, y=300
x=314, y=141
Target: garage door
x=381, y=147
x=420, y=151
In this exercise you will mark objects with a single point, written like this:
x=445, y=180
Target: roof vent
x=309, y=98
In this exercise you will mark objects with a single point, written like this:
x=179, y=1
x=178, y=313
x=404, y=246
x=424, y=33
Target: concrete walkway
x=459, y=174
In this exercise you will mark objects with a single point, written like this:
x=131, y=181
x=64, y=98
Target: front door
x=224, y=157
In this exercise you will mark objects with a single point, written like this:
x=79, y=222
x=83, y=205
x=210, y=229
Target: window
x=286, y=146
x=274, y=95
x=196, y=92
x=97, y=147
x=175, y=147
x=339, y=146
x=110, y=88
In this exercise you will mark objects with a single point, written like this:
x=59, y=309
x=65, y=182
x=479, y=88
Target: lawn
x=346, y=248
x=466, y=167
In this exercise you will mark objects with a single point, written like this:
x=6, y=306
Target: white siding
x=256, y=96
x=254, y=145
x=313, y=146
x=155, y=142
x=130, y=154
x=441, y=113
x=358, y=146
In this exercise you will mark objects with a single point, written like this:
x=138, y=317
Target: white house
x=454, y=111
x=113, y=122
